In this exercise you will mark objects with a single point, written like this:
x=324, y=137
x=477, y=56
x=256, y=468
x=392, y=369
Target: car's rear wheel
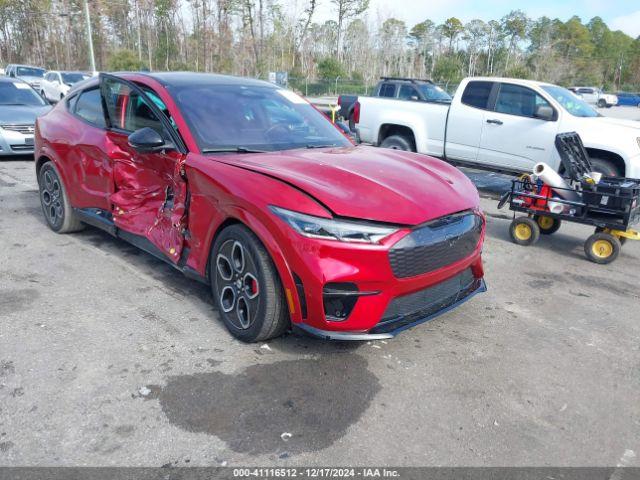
x=397, y=142
x=246, y=286
x=602, y=103
x=55, y=202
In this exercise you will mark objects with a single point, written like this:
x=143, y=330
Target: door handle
x=494, y=121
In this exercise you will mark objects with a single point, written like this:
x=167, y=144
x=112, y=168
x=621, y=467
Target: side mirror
x=544, y=112
x=343, y=126
x=414, y=98
x=147, y=140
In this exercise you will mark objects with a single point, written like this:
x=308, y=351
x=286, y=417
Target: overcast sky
x=619, y=14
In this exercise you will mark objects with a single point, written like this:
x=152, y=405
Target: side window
x=387, y=90
x=476, y=94
x=407, y=92
x=518, y=100
x=127, y=109
x=160, y=104
x=88, y=106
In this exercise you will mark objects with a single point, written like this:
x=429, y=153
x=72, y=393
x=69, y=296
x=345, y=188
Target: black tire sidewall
x=266, y=273
x=398, y=141
x=65, y=204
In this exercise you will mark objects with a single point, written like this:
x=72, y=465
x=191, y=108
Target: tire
x=55, y=203
x=398, y=142
x=547, y=225
x=601, y=103
x=524, y=231
x=605, y=167
x=622, y=240
x=246, y=286
x=602, y=248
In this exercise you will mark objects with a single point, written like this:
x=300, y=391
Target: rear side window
x=89, y=108
x=476, y=94
x=388, y=90
x=407, y=91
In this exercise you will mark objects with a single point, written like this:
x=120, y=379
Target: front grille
x=22, y=148
x=412, y=308
x=439, y=243
x=25, y=129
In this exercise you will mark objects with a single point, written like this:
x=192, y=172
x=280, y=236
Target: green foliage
x=330, y=68
x=448, y=69
x=124, y=61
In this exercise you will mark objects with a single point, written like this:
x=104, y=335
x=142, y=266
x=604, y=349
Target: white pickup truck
x=500, y=124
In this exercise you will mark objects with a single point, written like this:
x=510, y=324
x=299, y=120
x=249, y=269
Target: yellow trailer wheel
x=524, y=231
x=548, y=225
x=602, y=248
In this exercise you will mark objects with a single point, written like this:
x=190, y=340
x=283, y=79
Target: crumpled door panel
x=150, y=196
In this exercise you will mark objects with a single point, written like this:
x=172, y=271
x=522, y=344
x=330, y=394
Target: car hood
x=369, y=183
x=21, y=114
x=604, y=129
x=30, y=79
x=619, y=122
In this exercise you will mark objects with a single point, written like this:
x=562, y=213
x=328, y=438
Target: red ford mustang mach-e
x=245, y=186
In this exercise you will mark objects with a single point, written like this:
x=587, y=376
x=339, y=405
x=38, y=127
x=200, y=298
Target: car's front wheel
x=246, y=286
x=55, y=202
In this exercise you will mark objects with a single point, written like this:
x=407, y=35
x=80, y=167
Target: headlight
x=330, y=229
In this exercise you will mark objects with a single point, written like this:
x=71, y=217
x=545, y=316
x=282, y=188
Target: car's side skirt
x=103, y=220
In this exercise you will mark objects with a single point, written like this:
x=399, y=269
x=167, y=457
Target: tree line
x=349, y=51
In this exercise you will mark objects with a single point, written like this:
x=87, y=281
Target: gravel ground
x=109, y=357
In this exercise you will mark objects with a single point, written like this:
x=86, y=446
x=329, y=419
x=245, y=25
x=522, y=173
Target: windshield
x=433, y=93
x=19, y=94
x=253, y=117
x=71, y=78
x=29, y=72
x=572, y=104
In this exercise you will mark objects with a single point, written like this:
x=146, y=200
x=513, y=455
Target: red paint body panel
x=371, y=183
x=101, y=171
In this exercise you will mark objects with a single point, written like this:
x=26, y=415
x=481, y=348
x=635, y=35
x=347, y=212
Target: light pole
x=92, y=59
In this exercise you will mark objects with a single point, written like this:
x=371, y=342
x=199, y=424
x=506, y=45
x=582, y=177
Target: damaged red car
x=246, y=187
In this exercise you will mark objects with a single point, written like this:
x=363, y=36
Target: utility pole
x=92, y=59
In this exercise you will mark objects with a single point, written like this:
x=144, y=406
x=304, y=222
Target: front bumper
x=15, y=143
x=387, y=302
x=394, y=327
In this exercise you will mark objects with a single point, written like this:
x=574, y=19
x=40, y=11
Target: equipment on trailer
x=610, y=204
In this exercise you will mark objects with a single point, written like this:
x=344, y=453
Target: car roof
x=181, y=79
x=517, y=81
x=25, y=65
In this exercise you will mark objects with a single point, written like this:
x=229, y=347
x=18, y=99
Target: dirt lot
x=108, y=357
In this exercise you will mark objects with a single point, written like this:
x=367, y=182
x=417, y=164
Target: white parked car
x=32, y=75
x=596, y=96
x=56, y=85
x=501, y=124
